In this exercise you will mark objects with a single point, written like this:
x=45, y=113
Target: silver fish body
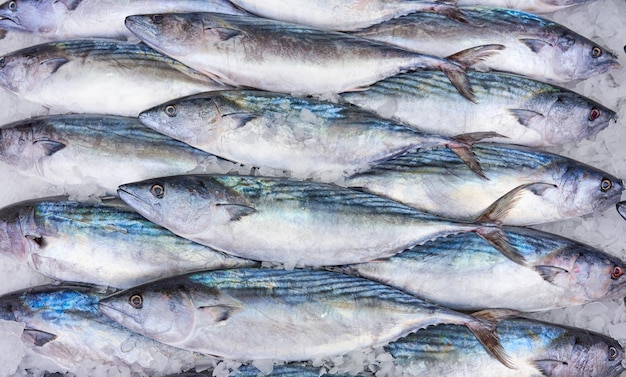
x=289, y=221
x=463, y=272
x=538, y=349
x=70, y=76
x=535, y=186
x=278, y=56
x=533, y=6
x=527, y=112
x=250, y=314
x=534, y=47
x=105, y=150
x=101, y=243
x=69, y=19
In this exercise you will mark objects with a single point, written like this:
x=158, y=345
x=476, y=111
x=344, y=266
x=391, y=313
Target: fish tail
x=484, y=329
x=464, y=149
x=457, y=76
x=471, y=56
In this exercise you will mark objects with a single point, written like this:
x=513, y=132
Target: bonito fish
x=292, y=222
x=527, y=112
x=251, y=314
x=534, y=186
x=101, y=243
x=534, y=47
x=97, y=76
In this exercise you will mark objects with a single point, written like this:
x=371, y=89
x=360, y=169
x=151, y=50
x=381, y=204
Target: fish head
x=25, y=143
x=13, y=240
x=31, y=16
x=21, y=71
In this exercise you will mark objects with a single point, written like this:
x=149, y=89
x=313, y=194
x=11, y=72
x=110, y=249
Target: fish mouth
x=138, y=203
x=141, y=26
x=11, y=23
x=114, y=313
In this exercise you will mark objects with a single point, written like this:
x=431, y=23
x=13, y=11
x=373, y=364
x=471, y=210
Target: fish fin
x=549, y=273
x=474, y=137
x=535, y=45
x=219, y=313
x=37, y=337
x=3, y=33
x=240, y=119
x=50, y=147
x=54, y=64
x=458, y=78
x=526, y=117
x=547, y=367
x=38, y=240
x=496, y=315
x=485, y=331
x=474, y=55
x=621, y=209
x=69, y=4
x=464, y=150
x=224, y=33
x=496, y=237
x=450, y=9
x=237, y=211
x=498, y=210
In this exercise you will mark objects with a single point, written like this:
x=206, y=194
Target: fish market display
x=464, y=272
x=251, y=314
x=103, y=243
x=292, y=222
x=69, y=75
x=535, y=187
x=535, y=47
x=537, y=349
x=536, y=6
x=281, y=57
x=527, y=112
x=305, y=136
x=105, y=150
x=93, y=18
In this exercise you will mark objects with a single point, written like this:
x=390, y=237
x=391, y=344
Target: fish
x=64, y=325
x=68, y=76
x=69, y=19
x=297, y=223
x=534, y=186
x=539, y=349
x=533, y=46
x=308, y=137
x=463, y=272
x=344, y=15
x=103, y=150
x=283, y=57
x=252, y=313
x=525, y=111
x=533, y=6
x=104, y=243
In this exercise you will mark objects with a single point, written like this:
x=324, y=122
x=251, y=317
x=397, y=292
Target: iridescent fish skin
x=539, y=186
x=105, y=150
x=526, y=111
x=534, y=47
x=66, y=19
x=251, y=314
x=538, y=349
x=102, y=243
x=534, y=6
x=463, y=272
x=68, y=76
x=63, y=323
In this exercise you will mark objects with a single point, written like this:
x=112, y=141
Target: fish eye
x=12, y=6
x=157, y=190
x=157, y=18
x=605, y=185
x=594, y=114
x=136, y=301
x=170, y=110
x=617, y=272
x=3, y=62
x=596, y=52
x=612, y=353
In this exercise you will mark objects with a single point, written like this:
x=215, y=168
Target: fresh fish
x=64, y=325
x=70, y=75
x=538, y=350
x=534, y=6
x=527, y=112
x=292, y=222
x=344, y=15
x=251, y=314
x=463, y=272
x=66, y=19
x=305, y=136
x=534, y=47
x=281, y=57
x=534, y=186
x=106, y=150
x=103, y=243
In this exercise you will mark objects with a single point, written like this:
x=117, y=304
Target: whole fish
x=534, y=186
x=103, y=243
x=282, y=57
x=97, y=76
x=66, y=19
x=534, y=47
x=251, y=314
x=341, y=14
x=527, y=112
x=292, y=222
x=538, y=350
x=463, y=272
x=305, y=136
x=106, y=150
x=64, y=325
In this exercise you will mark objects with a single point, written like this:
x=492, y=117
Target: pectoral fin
x=69, y=4
x=218, y=313
x=38, y=240
x=535, y=45
x=37, y=337
x=49, y=147
x=223, y=33
x=548, y=367
x=52, y=65
x=549, y=273
x=237, y=211
x=239, y=119
x=526, y=117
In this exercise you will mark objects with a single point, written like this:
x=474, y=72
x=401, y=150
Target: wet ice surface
x=603, y=21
